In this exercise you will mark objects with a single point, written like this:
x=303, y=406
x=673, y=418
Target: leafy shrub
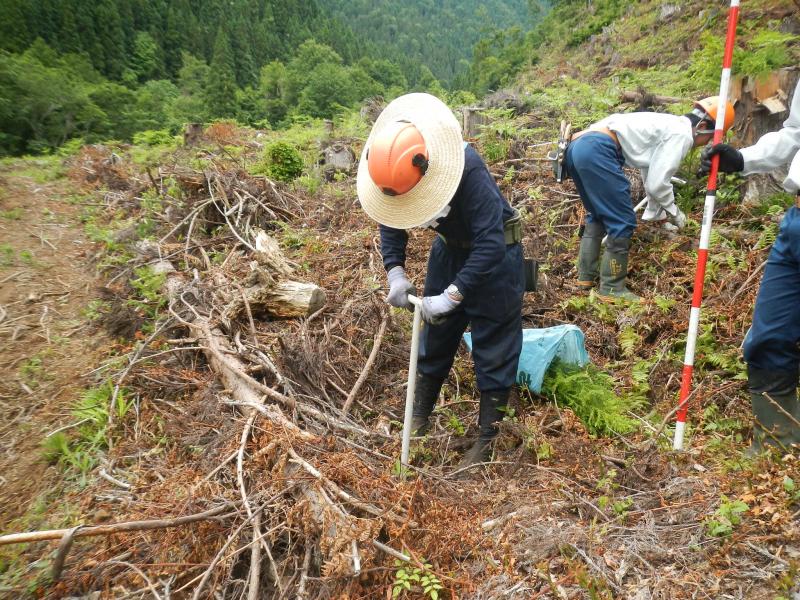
x=153, y=137
x=71, y=147
x=284, y=162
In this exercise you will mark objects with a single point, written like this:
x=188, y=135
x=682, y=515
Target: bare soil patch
x=47, y=345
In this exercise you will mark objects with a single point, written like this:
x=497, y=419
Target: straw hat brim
x=442, y=134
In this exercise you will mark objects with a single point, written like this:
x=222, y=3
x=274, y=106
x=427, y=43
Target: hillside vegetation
x=278, y=434
x=106, y=70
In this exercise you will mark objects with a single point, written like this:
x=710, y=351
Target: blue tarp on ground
x=540, y=347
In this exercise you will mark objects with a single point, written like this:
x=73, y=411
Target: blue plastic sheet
x=540, y=347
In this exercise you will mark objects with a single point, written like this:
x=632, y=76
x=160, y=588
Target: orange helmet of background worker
x=397, y=158
x=709, y=106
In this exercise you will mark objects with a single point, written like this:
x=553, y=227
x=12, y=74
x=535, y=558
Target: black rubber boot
x=614, y=271
x=425, y=395
x=589, y=255
x=776, y=411
x=492, y=410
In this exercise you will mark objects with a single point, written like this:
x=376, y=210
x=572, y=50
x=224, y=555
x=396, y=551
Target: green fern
x=628, y=340
x=590, y=394
x=768, y=236
x=664, y=303
x=709, y=355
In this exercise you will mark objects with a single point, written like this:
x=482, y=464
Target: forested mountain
x=136, y=40
x=100, y=69
x=437, y=34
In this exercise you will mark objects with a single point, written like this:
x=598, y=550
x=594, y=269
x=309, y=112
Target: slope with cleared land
x=221, y=405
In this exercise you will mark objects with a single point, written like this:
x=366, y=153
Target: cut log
x=268, y=255
x=644, y=99
x=282, y=299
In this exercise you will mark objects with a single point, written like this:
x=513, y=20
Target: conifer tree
x=221, y=84
x=14, y=33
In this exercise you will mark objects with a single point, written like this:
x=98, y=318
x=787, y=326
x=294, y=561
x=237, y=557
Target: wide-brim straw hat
x=442, y=134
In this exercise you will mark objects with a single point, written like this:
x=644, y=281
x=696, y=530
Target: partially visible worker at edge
x=771, y=345
x=655, y=143
x=416, y=171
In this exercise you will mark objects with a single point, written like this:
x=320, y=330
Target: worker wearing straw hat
x=772, y=345
x=655, y=143
x=416, y=171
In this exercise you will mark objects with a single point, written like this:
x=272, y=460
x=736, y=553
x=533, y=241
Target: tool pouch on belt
x=513, y=232
x=531, y=270
x=556, y=156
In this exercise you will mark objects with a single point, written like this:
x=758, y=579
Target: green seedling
x=408, y=577
x=12, y=214
x=726, y=517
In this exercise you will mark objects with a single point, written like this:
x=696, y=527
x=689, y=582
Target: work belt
x=512, y=229
x=603, y=130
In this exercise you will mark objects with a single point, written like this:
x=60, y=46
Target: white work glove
x=436, y=308
x=673, y=215
x=399, y=288
x=678, y=219
x=653, y=211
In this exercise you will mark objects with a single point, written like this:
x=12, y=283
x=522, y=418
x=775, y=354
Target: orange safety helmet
x=397, y=158
x=709, y=107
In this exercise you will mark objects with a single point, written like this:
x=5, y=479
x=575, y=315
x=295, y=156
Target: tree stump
x=337, y=157
x=472, y=121
x=762, y=105
x=192, y=134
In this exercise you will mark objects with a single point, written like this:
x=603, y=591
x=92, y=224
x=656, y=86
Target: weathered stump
x=192, y=134
x=762, y=105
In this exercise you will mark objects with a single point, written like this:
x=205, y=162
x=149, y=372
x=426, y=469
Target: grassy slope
x=667, y=56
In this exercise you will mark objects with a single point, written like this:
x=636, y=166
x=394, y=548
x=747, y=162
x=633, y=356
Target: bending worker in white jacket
x=655, y=143
x=771, y=346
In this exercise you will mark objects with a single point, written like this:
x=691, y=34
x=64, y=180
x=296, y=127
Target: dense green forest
x=110, y=68
x=437, y=34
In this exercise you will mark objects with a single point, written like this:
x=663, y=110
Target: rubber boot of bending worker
x=425, y=394
x=492, y=410
x=771, y=425
x=589, y=255
x=614, y=271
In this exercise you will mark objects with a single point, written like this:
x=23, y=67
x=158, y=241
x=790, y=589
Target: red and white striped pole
x=705, y=231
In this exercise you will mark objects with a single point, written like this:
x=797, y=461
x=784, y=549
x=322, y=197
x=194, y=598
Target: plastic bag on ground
x=540, y=347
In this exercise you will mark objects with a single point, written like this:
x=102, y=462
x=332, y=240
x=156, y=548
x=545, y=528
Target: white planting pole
x=412, y=380
x=705, y=232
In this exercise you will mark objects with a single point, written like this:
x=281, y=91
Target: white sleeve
x=771, y=151
x=792, y=182
x=666, y=159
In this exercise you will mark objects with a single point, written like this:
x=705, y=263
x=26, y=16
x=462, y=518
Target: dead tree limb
x=365, y=371
x=652, y=99
x=93, y=530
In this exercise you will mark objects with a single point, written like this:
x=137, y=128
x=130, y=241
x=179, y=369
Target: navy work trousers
x=772, y=342
x=494, y=311
x=594, y=161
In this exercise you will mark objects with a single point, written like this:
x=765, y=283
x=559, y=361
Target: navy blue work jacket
x=477, y=213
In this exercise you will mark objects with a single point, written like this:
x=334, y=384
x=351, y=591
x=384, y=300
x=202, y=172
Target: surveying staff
x=416, y=171
x=771, y=345
x=654, y=143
